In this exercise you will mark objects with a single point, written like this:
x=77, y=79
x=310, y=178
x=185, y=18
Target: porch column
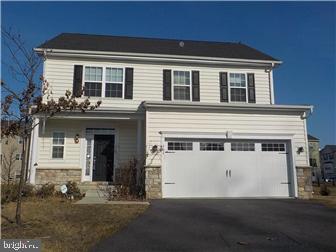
x=139, y=140
x=33, y=151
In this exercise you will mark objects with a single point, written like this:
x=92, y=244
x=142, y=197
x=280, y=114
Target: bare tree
x=28, y=97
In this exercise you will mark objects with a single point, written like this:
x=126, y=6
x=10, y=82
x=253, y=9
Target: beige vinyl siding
x=148, y=80
x=203, y=122
x=125, y=142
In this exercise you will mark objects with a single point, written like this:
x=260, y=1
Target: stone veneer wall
x=57, y=176
x=153, y=182
x=304, y=178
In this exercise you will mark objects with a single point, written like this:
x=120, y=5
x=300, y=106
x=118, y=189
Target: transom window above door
x=238, y=87
x=181, y=85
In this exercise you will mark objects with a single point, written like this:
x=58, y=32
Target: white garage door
x=218, y=168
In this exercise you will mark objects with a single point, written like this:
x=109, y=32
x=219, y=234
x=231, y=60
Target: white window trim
x=179, y=85
x=90, y=136
x=103, y=81
x=52, y=145
x=229, y=85
x=123, y=82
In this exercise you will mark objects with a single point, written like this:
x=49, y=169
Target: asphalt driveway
x=228, y=225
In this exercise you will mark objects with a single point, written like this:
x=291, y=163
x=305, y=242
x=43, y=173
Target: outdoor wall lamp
x=154, y=148
x=299, y=150
x=76, y=139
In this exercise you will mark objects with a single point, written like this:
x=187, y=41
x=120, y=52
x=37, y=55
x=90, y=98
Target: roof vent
x=181, y=44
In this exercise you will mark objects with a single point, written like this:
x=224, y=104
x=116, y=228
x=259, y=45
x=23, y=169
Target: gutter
x=153, y=57
x=307, y=113
x=304, y=109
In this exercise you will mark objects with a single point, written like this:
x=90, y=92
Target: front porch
x=85, y=148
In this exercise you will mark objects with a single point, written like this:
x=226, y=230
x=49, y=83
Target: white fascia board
x=99, y=114
x=152, y=57
x=240, y=107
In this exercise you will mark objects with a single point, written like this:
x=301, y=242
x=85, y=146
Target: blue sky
x=302, y=35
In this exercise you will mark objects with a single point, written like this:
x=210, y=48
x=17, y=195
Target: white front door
x=219, y=168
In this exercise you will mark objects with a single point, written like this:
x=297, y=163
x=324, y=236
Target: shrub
x=9, y=192
x=28, y=190
x=130, y=182
x=324, y=190
x=73, y=190
x=46, y=190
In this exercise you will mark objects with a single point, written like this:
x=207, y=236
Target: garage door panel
x=274, y=167
x=243, y=166
x=188, y=175
x=241, y=169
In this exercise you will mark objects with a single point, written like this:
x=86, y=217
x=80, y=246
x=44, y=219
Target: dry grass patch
x=63, y=226
x=329, y=200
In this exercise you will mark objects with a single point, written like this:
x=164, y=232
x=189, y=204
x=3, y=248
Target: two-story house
x=201, y=115
x=11, y=157
x=328, y=162
x=314, y=157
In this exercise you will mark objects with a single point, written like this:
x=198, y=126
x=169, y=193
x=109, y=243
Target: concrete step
x=85, y=186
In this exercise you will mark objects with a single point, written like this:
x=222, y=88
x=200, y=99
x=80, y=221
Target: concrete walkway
x=96, y=196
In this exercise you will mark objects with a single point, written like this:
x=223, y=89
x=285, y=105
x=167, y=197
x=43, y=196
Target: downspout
x=304, y=117
x=270, y=82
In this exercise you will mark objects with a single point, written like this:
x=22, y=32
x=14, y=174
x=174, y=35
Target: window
x=181, y=85
x=18, y=156
x=58, y=145
x=242, y=146
x=238, y=87
x=273, y=147
x=183, y=146
x=114, y=82
x=208, y=146
x=88, y=157
x=93, y=81
x=20, y=140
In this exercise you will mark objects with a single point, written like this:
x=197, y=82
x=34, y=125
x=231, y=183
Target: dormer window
x=238, y=87
x=181, y=85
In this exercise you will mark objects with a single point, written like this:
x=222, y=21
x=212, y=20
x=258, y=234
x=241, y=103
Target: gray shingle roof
x=312, y=138
x=75, y=41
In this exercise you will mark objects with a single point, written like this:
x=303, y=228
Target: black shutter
x=129, y=83
x=77, y=81
x=195, y=86
x=251, y=88
x=223, y=81
x=166, y=85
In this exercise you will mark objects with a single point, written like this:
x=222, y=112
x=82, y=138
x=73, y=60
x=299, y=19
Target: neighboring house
x=328, y=161
x=11, y=148
x=201, y=115
x=314, y=157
